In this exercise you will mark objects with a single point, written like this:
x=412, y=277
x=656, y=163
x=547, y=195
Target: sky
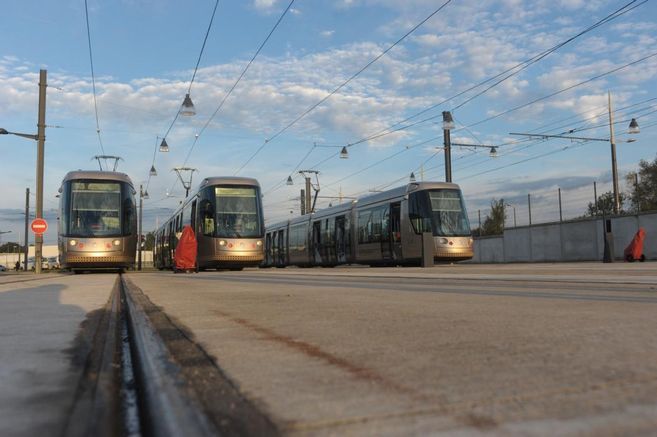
x=371, y=75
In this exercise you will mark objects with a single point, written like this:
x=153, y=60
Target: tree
x=11, y=248
x=150, y=241
x=605, y=205
x=643, y=195
x=494, y=223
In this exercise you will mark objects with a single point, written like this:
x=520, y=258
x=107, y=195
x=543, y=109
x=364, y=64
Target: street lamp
x=187, y=109
x=633, y=129
x=40, y=138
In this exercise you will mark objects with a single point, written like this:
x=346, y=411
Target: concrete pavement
x=46, y=325
x=465, y=350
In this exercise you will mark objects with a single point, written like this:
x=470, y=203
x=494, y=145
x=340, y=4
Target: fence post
x=479, y=212
x=529, y=205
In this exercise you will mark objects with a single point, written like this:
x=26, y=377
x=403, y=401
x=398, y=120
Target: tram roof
x=228, y=180
x=393, y=193
x=97, y=174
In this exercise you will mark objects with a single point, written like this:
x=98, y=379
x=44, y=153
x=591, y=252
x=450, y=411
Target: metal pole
x=515, y=224
x=308, y=207
x=529, y=205
x=448, y=155
x=41, y=133
x=139, y=232
x=560, y=210
x=27, y=219
x=595, y=198
x=479, y=213
x=614, y=170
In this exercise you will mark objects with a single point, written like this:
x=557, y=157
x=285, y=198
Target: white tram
x=97, y=226
x=226, y=216
x=382, y=229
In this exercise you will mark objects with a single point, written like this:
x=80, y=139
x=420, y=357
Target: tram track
x=144, y=375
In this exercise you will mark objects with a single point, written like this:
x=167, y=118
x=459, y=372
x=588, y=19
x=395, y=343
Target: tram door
x=317, y=243
x=340, y=244
x=395, y=231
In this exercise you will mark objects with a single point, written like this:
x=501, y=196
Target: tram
x=226, y=216
x=97, y=227
x=383, y=229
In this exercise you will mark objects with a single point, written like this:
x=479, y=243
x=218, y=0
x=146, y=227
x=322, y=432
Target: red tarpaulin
x=185, y=255
x=635, y=249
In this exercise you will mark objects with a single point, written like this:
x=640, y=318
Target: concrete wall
x=581, y=240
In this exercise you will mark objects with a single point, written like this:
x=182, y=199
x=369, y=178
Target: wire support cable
x=391, y=129
x=93, y=77
x=232, y=88
x=342, y=85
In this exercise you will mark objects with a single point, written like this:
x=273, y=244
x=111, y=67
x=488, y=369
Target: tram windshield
x=237, y=213
x=93, y=209
x=441, y=212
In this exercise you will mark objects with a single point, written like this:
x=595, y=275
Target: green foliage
x=11, y=248
x=494, y=223
x=150, y=241
x=643, y=195
x=605, y=205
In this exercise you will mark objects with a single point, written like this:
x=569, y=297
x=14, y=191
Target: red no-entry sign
x=39, y=226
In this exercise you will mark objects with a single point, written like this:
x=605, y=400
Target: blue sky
x=144, y=53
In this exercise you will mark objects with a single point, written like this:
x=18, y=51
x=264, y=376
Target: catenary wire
x=93, y=78
x=343, y=84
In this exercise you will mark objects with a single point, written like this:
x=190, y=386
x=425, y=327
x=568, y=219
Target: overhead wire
x=198, y=61
x=342, y=85
x=519, y=67
x=93, y=78
x=232, y=88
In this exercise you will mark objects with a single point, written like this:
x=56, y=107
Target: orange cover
x=635, y=248
x=185, y=255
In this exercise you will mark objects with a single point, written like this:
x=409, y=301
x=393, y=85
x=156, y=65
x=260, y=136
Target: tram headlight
x=443, y=241
x=258, y=243
x=116, y=242
x=72, y=242
x=222, y=242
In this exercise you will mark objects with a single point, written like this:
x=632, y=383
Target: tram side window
x=207, y=215
x=419, y=212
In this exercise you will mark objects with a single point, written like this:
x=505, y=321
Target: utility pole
x=310, y=208
x=27, y=219
x=614, y=169
x=448, y=124
x=139, y=232
x=41, y=135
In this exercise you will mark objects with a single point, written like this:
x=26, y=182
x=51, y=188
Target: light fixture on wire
x=493, y=152
x=634, y=127
x=164, y=147
x=412, y=178
x=187, y=109
x=344, y=153
x=153, y=172
x=289, y=181
x=145, y=196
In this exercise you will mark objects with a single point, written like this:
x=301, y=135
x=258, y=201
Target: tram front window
x=95, y=209
x=238, y=212
x=441, y=212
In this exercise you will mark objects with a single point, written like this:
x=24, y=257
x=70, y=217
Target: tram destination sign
x=39, y=226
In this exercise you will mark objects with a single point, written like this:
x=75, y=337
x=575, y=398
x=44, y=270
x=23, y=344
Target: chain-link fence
x=551, y=205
